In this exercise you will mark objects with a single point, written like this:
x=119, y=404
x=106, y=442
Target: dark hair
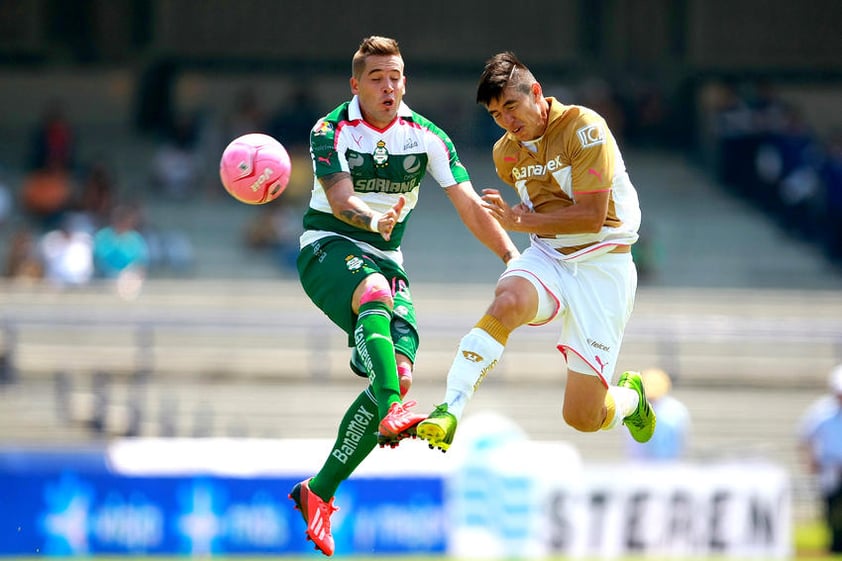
x=501, y=71
x=370, y=46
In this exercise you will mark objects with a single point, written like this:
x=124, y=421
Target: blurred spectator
x=747, y=115
x=246, y=116
x=46, y=195
x=276, y=229
x=736, y=140
x=769, y=154
x=154, y=97
x=648, y=254
x=67, y=253
x=599, y=95
x=291, y=125
x=652, y=115
x=169, y=248
x=788, y=158
x=6, y=199
x=293, y=120
x=98, y=194
x=53, y=142
x=23, y=261
x=770, y=120
x=48, y=187
x=647, y=112
x=669, y=443
x=831, y=175
x=177, y=164
x=820, y=438
x=120, y=248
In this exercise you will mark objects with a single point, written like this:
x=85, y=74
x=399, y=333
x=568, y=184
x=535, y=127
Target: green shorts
x=330, y=269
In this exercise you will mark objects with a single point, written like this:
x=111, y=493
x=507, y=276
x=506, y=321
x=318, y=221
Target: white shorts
x=593, y=300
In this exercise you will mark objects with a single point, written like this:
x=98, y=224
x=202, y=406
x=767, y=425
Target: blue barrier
x=62, y=504
x=498, y=495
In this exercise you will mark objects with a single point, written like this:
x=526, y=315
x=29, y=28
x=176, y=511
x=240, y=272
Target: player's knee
x=513, y=305
x=376, y=292
x=506, y=307
x=582, y=420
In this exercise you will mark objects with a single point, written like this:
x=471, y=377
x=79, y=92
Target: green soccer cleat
x=438, y=429
x=641, y=423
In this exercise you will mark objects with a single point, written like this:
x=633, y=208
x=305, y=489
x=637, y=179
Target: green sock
x=373, y=340
x=356, y=438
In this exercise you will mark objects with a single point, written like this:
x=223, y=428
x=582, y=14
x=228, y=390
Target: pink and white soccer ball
x=255, y=168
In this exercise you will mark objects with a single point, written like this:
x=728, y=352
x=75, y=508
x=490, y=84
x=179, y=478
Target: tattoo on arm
x=329, y=181
x=360, y=219
x=357, y=218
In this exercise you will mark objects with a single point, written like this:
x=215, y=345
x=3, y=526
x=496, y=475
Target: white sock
x=625, y=403
x=478, y=353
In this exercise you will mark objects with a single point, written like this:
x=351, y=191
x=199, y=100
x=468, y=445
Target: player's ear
x=355, y=85
x=537, y=91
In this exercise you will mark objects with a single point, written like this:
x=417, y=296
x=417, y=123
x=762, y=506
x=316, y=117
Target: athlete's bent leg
x=515, y=303
x=584, y=401
x=373, y=303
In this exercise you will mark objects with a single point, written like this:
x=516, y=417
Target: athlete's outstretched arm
x=481, y=224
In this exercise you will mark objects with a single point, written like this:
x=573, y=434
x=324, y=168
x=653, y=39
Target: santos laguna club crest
x=380, y=154
x=353, y=263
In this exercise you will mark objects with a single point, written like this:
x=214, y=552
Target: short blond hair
x=374, y=45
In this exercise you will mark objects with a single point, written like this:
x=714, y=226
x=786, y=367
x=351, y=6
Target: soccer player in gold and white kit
x=582, y=215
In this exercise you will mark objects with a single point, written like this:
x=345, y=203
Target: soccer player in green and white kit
x=369, y=157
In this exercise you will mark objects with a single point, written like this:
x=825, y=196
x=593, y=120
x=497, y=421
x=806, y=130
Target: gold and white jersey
x=577, y=154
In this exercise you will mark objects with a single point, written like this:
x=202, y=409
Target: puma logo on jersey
x=324, y=159
x=472, y=356
x=591, y=135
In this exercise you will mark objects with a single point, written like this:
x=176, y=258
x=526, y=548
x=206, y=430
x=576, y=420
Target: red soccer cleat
x=316, y=513
x=398, y=424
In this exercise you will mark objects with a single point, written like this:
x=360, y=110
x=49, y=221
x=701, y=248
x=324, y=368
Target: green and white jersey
x=383, y=164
